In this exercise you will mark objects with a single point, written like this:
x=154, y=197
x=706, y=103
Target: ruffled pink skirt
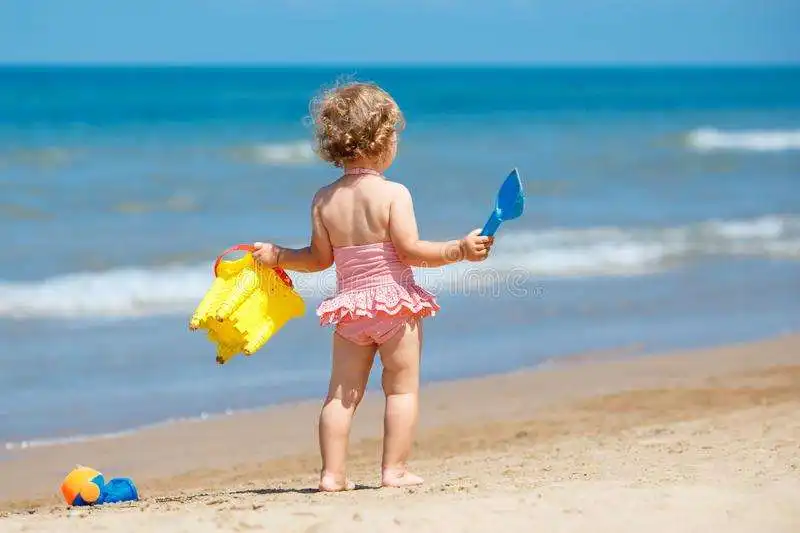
x=372, y=282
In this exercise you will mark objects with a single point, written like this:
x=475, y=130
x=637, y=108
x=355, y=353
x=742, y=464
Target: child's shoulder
x=385, y=187
x=396, y=188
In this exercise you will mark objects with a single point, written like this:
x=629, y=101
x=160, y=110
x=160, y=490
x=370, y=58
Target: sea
x=663, y=212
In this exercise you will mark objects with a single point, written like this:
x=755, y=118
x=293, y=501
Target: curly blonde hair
x=354, y=121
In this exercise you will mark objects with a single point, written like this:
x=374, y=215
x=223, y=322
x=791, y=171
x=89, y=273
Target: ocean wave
x=518, y=257
x=613, y=251
x=298, y=152
x=712, y=139
x=177, y=203
x=291, y=153
x=114, y=293
x=49, y=157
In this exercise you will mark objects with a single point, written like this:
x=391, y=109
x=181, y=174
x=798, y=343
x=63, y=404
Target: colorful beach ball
x=82, y=486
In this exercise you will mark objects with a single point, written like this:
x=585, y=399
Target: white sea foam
x=712, y=139
x=290, y=153
x=519, y=256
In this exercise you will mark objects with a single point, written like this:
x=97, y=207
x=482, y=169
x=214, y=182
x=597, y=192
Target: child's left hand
x=265, y=253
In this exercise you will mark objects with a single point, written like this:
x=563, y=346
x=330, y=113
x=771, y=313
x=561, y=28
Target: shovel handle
x=491, y=225
x=249, y=248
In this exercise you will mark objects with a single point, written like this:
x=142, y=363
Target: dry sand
x=706, y=441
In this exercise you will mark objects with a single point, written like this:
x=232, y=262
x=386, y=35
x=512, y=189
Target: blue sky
x=392, y=31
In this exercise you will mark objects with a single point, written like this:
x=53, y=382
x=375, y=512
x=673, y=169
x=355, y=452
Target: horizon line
x=400, y=65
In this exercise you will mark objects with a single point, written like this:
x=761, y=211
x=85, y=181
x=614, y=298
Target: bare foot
x=400, y=478
x=329, y=483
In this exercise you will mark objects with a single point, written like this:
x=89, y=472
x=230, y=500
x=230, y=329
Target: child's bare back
x=355, y=209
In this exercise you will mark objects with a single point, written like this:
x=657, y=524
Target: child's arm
x=415, y=252
x=315, y=257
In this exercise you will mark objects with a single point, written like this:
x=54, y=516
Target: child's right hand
x=266, y=253
x=476, y=246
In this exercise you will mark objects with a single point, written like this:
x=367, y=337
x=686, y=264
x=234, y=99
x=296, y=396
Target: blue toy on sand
x=87, y=486
x=509, y=205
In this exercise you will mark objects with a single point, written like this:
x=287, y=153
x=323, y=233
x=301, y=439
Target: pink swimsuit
x=376, y=295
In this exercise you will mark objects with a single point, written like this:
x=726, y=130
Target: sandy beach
x=701, y=440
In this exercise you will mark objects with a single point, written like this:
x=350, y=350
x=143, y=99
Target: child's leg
x=400, y=357
x=349, y=374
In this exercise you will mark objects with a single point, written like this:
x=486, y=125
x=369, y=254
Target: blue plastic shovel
x=509, y=205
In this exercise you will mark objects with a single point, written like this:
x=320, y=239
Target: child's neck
x=364, y=163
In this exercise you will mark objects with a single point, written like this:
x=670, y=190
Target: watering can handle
x=250, y=249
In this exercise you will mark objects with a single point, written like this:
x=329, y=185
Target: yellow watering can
x=246, y=304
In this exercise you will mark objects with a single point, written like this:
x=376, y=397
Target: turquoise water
x=664, y=211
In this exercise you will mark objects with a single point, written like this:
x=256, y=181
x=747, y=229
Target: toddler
x=365, y=225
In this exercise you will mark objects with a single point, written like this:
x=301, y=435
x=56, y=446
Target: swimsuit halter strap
x=361, y=171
